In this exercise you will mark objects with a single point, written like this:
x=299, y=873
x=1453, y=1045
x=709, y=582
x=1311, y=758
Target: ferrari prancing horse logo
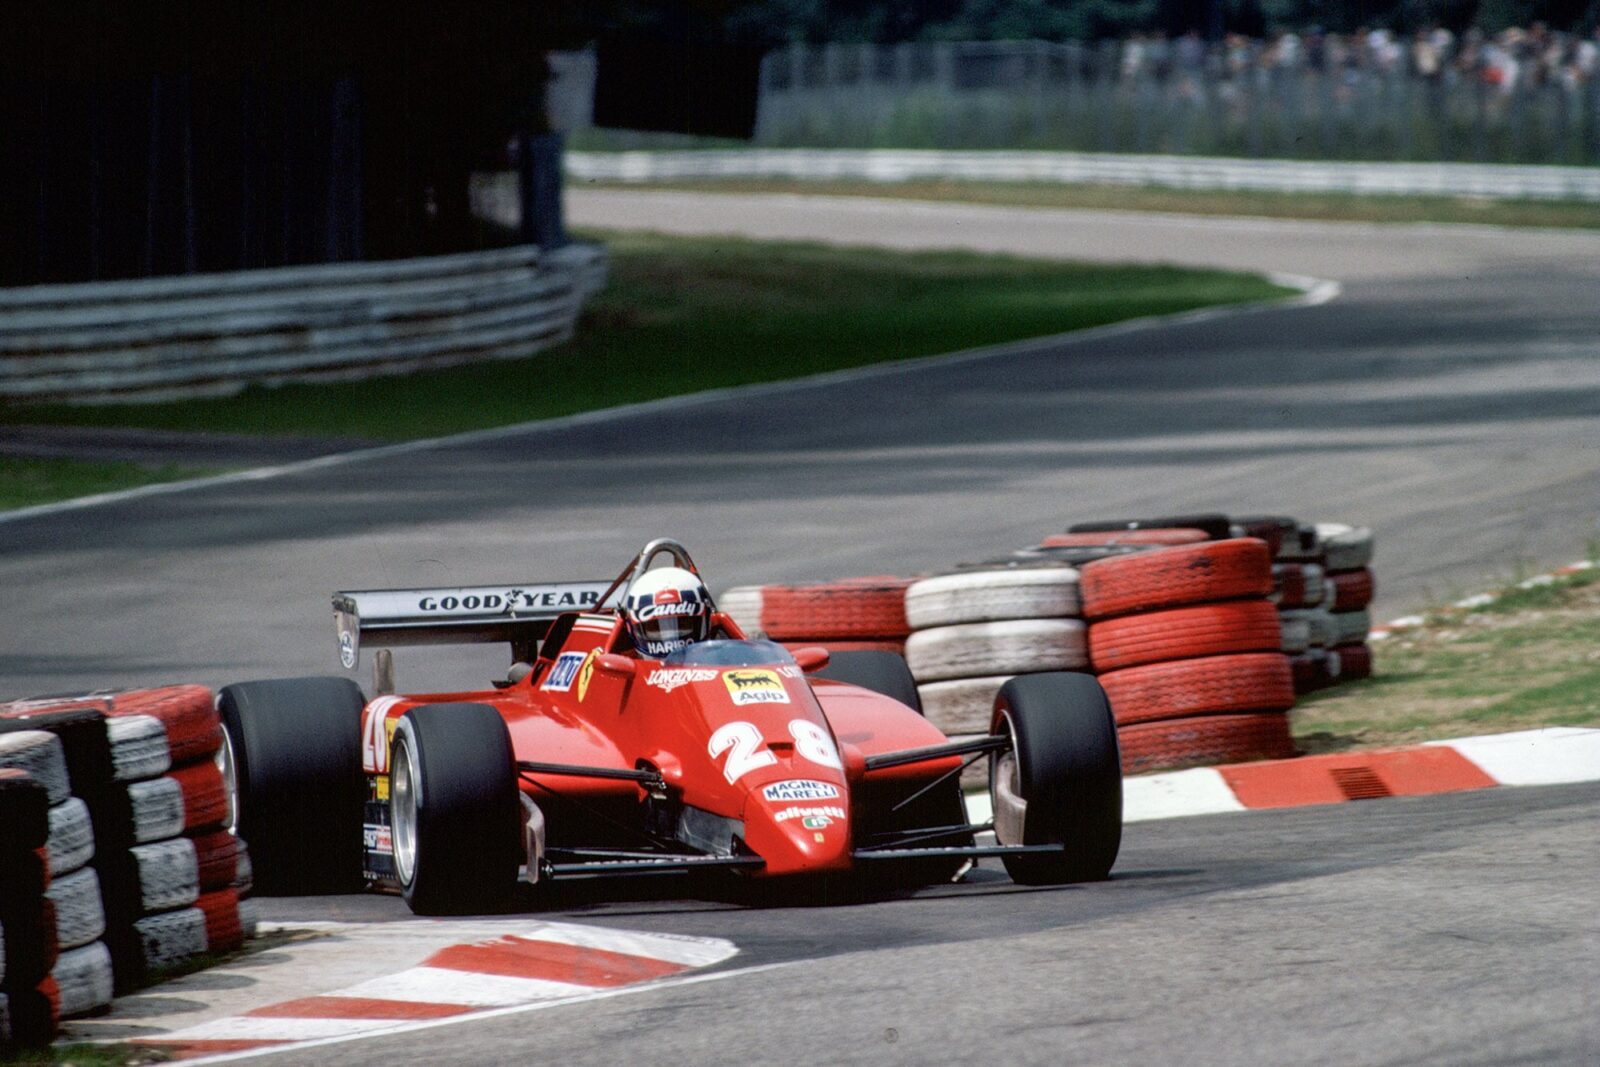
x=586, y=672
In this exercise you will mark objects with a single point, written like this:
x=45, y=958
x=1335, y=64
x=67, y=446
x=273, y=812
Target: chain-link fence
x=1233, y=99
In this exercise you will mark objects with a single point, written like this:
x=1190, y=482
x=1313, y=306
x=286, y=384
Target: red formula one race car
x=640, y=732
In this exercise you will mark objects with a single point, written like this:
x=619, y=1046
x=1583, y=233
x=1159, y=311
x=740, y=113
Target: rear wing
x=520, y=615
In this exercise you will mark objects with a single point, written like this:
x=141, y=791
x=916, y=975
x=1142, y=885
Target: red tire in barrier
x=24, y=812
x=1312, y=670
x=1158, y=536
x=897, y=647
x=1204, y=740
x=1351, y=589
x=217, y=856
x=1184, y=633
x=1355, y=661
x=1298, y=585
x=871, y=609
x=205, y=796
x=224, y=930
x=189, y=713
x=1173, y=577
x=1255, y=681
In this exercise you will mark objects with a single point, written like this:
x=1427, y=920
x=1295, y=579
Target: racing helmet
x=665, y=610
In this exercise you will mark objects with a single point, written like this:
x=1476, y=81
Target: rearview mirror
x=612, y=663
x=811, y=658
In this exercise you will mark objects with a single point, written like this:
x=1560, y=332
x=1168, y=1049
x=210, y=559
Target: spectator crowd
x=1507, y=61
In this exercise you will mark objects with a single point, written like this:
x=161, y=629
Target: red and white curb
x=1529, y=757
x=530, y=965
x=1551, y=756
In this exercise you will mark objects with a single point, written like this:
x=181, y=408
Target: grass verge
x=1530, y=658
x=1566, y=214
x=25, y=482
x=682, y=315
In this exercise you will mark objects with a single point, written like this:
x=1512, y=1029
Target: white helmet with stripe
x=666, y=609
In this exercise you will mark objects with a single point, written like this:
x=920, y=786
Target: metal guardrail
x=1180, y=172
x=214, y=334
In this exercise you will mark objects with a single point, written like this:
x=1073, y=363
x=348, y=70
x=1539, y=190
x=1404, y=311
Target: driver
x=666, y=609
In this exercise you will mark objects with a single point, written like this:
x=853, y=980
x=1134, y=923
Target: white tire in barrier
x=169, y=874
x=743, y=604
x=987, y=596
x=138, y=747
x=245, y=880
x=84, y=978
x=1307, y=628
x=1344, y=548
x=71, y=837
x=80, y=915
x=1351, y=627
x=961, y=705
x=249, y=917
x=171, y=937
x=157, y=806
x=40, y=754
x=977, y=649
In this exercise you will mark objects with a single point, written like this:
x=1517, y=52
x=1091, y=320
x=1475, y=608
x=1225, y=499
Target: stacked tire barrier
x=974, y=630
x=1324, y=586
x=1188, y=648
x=851, y=614
x=138, y=872
x=1203, y=629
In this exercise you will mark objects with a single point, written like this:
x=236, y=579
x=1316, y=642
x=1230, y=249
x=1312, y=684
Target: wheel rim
x=403, y=813
x=1005, y=794
x=230, y=780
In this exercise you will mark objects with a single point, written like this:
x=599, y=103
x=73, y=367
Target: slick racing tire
x=1061, y=781
x=454, y=809
x=292, y=747
x=881, y=672
x=988, y=596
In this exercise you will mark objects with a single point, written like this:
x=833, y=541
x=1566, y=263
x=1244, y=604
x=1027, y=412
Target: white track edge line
x=1313, y=291
x=492, y=1013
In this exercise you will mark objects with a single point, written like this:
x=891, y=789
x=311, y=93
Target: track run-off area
x=1449, y=397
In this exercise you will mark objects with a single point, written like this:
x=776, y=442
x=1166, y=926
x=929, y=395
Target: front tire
x=454, y=809
x=292, y=756
x=1061, y=781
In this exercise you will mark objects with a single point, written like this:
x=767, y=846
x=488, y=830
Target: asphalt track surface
x=1449, y=398
x=1450, y=930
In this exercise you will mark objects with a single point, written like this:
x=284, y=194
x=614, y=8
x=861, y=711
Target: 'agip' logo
x=755, y=687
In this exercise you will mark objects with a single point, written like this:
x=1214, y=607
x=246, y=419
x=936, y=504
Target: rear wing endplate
x=518, y=614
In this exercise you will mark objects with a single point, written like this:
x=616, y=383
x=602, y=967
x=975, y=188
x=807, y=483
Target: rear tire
x=881, y=672
x=294, y=745
x=1065, y=768
x=454, y=809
